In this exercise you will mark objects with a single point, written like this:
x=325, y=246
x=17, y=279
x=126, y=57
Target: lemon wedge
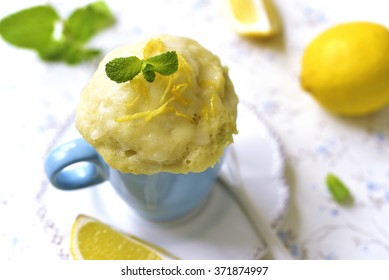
x=257, y=18
x=94, y=240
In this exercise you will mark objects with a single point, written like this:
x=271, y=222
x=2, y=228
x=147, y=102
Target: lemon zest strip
x=185, y=66
x=162, y=109
x=185, y=116
x=177, y=91
x=207, y=83
x=205, y=113
x=133, y=116
x=167, y=90
x=212, y=104
x=129, y=105
x=153, y=47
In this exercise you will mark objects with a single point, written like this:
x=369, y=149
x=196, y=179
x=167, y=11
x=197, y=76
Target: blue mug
x=159, y=197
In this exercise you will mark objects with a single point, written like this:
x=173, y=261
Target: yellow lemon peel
x=132, y=103
x=205, y=113
x=184, y=68
x=138, y=115
x=212, y=104
x=207, y=84
x=162, y=109
x=167, y=89
x=153, y=47
x=185, y=116
x=177, y=91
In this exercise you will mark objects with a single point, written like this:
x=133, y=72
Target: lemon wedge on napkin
x=255, y=18
x=94, y=240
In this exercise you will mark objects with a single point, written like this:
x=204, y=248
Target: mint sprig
x=30, y=28
x=124, y=69
x=34, y=28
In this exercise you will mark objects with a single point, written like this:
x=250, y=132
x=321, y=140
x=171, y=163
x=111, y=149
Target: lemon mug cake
x=178, y=123
x=155, y=118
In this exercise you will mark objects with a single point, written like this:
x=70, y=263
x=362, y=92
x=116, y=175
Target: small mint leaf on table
x=124, y=69
x=338, y=189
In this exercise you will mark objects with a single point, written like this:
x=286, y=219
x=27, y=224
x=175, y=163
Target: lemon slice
x=93, y=240
x=252, y=17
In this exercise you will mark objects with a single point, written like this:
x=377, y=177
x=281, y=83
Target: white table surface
x=38, y=102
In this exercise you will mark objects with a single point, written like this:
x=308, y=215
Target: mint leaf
x=69, y=53
x=123, y=69
x=148, y=72
x=164, y=64
x=30, y=28
x=338, y=189
x=54, y=51
x=33, y=28
x=86, y=22
x=84, y=55
x=75, y=54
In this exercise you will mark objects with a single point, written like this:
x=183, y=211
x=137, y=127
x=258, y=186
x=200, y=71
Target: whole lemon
x=346, y=68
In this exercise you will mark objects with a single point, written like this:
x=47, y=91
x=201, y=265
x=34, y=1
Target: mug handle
x=75, y=165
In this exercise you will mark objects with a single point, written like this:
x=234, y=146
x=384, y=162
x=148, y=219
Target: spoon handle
x=261, y=225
